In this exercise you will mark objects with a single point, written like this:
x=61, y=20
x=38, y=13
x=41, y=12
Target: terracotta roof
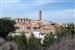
x=26, y=25
x=28, y=31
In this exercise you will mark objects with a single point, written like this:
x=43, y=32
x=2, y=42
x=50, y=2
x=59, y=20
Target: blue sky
x=53, y=10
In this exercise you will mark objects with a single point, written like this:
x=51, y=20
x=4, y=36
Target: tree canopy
x=6, y=26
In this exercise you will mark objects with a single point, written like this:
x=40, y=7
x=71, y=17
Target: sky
x=52, y=10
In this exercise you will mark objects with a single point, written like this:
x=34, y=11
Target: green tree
x=24, y=43
x=71, y=29
x=49, y=40
x=65, y=31
x=6, y=26
x=20, y=40
x=34, y=43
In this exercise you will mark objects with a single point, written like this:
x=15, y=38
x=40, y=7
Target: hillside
x=66, y=43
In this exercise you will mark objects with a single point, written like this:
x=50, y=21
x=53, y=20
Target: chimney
x=40, y=15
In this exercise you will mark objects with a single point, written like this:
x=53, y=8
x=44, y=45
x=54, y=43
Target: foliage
x=34, y=43
x=26, y=44
x=9, y=46
x=49, y=40
x=65, y=31
x=60, y=33
x=71, y=29
x=6, y=26
x=21, y=41
x=2, y=41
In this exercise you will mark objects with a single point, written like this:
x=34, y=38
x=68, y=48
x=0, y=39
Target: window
x=35, y=27
x=28, y=27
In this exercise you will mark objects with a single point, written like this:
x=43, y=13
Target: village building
x=29, y=26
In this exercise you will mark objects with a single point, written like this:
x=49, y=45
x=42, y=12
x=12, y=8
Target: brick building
x=28, y=25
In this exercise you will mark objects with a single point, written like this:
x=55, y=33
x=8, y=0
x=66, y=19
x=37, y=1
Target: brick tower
x=40, y=15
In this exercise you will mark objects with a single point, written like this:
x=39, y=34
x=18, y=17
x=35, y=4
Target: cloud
x=29, y=8
x=19, y=5
x=9, y=0
x=25, y=4
x=42, y=2
x=66, y=15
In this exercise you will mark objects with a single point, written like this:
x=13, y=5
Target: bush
x=2, y=41
x=9, y=46
x=49, y=40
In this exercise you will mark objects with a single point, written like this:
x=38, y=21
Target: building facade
x=29, y=26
